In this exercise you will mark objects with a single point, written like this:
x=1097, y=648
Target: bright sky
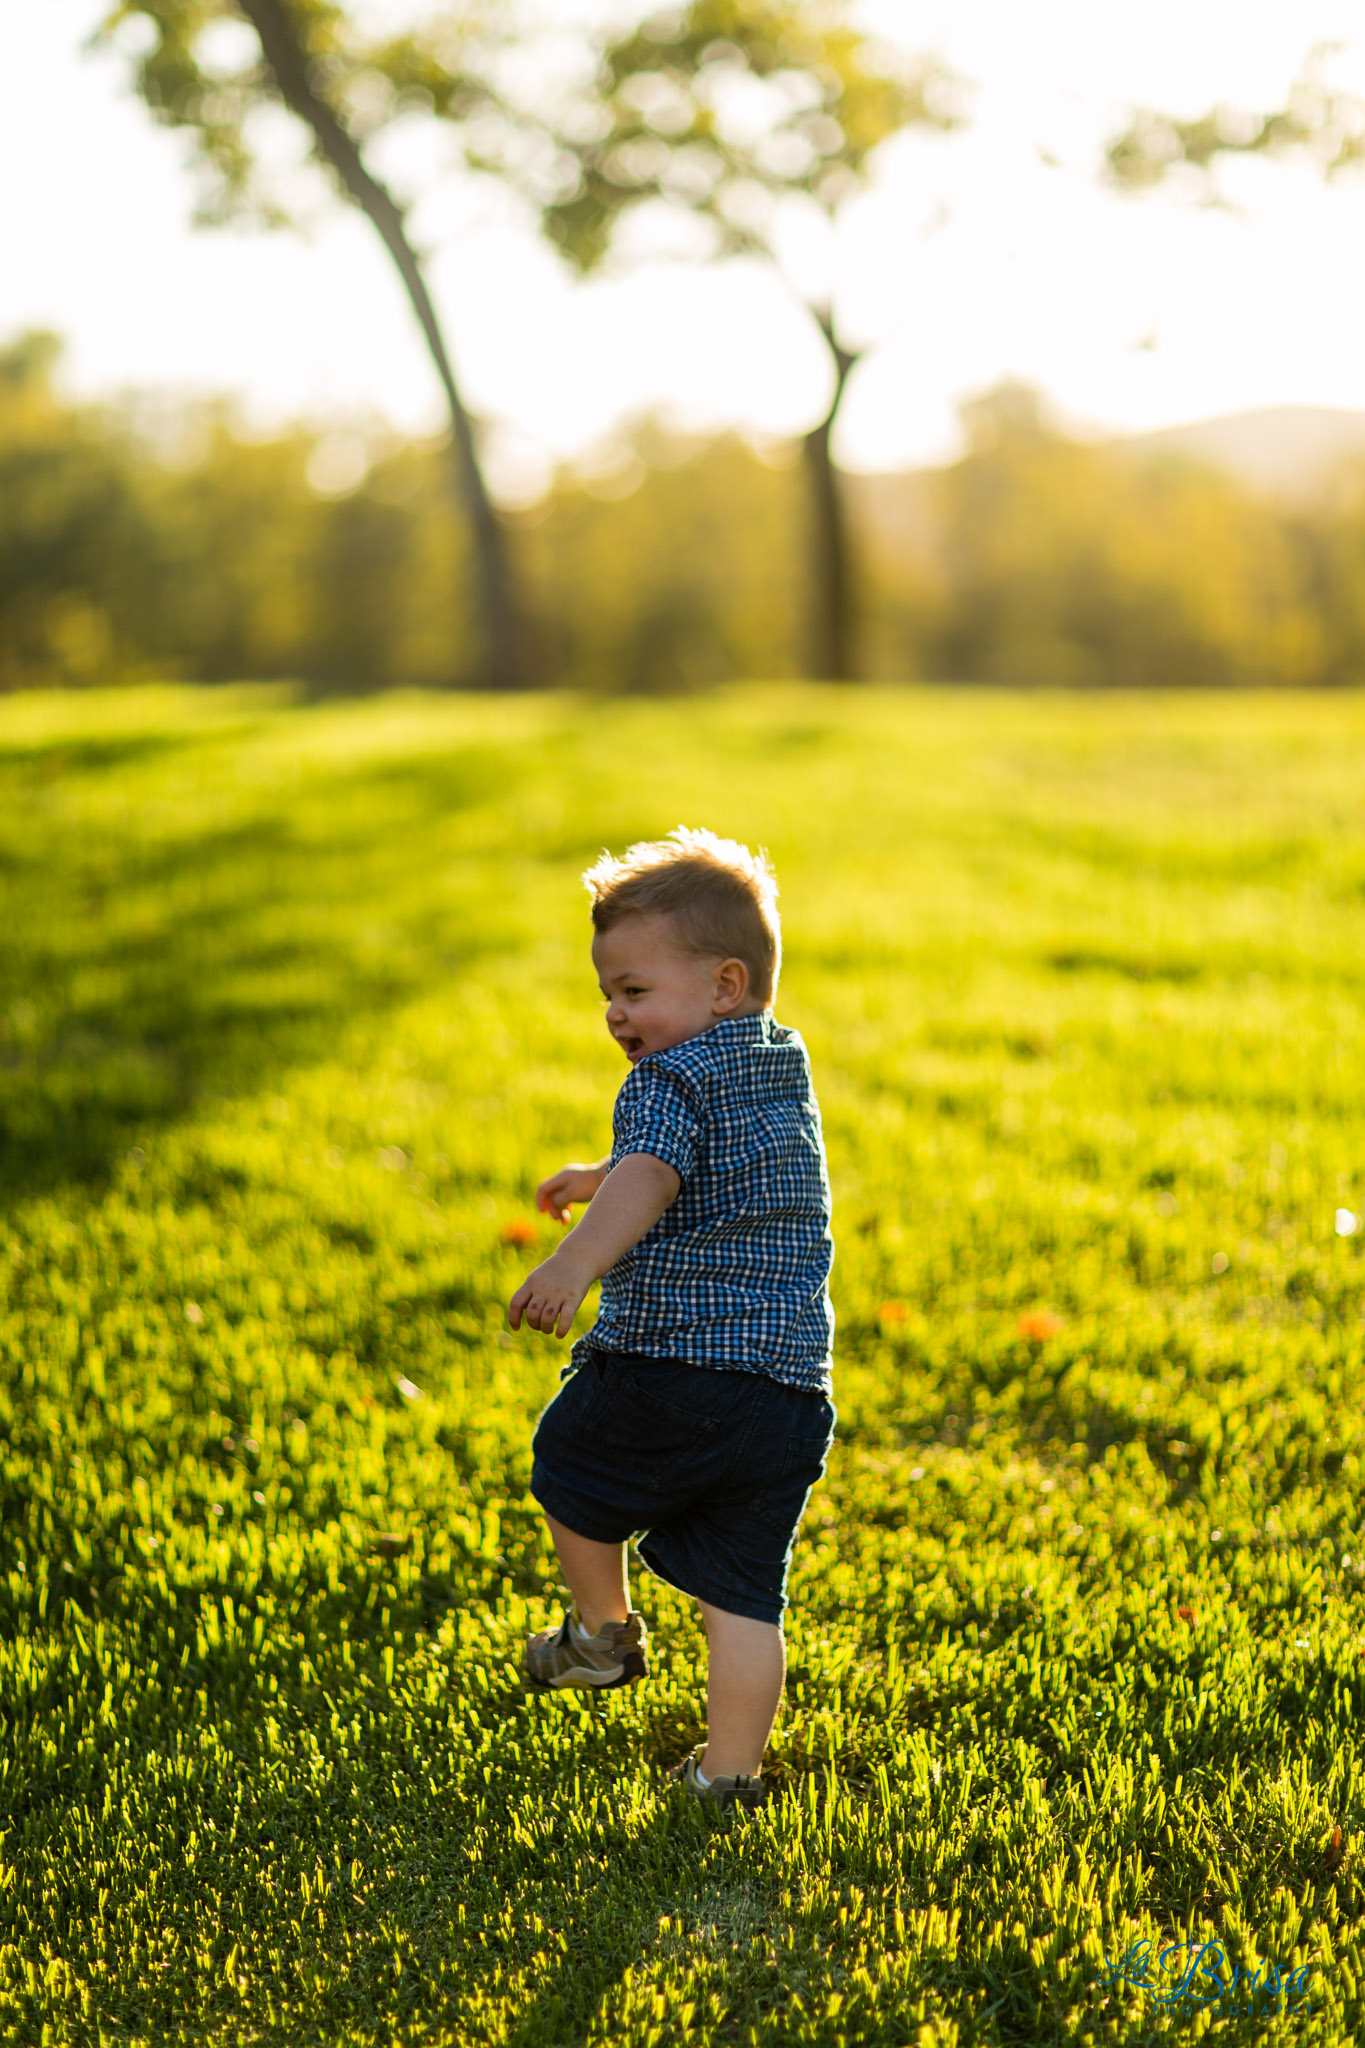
x=974, y=258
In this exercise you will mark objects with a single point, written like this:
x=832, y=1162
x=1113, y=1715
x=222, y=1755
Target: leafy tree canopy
x=1325, y=126
x=195, y=75
x=721, y=108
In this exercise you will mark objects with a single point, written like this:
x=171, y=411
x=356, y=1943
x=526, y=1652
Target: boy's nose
x=615, y=1015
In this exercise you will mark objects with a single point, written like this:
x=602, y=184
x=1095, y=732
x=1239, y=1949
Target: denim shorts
x=714, y=1465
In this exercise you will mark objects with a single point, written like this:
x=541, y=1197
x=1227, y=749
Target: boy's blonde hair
x=722, y=898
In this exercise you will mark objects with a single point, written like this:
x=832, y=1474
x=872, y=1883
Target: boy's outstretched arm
x=629, y=1202
x=576, y=1183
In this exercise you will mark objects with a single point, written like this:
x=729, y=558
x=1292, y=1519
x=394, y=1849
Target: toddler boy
x=697, y=1407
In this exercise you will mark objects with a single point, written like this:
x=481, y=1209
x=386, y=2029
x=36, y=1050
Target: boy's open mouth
x=631, y=1047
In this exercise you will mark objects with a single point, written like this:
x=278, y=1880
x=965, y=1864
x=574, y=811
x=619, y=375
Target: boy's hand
x=626, y=1202
x=571, y=1184
x=549, y=1298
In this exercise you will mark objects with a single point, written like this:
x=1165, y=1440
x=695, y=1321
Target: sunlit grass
x=295, y=1009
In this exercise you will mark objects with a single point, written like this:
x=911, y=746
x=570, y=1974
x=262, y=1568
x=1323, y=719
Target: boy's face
x=657, y=993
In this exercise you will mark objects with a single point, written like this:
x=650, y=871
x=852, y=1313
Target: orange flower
x=892, y=1312
x=1039, y=1324
x=1185, y=1613
x=518, y=1232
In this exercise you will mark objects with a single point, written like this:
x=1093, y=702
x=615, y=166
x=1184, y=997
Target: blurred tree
x=729, y=111
x=76, y=553
x=347, y=86
x=672, y=574
x=265, y=577
x=166, y=541
x=1325, y=128
x=1317, y=123
x=1069, y=565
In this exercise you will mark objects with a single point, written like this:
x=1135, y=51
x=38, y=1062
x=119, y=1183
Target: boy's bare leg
x=743, y=1688
x=595, y=1573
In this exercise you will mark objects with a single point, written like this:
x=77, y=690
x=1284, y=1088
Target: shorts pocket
x=669, y=1418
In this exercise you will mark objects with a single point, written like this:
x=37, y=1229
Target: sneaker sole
x=632, y=1668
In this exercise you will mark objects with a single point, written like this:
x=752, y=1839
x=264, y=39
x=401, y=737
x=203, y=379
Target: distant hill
x=1285, y=450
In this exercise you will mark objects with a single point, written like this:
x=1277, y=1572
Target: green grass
x=295, y=1009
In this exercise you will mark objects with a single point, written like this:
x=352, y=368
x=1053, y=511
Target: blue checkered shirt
x=736, y=1271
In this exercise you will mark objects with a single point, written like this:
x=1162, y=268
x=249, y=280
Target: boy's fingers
x=551, y=1314
x=520, y=1302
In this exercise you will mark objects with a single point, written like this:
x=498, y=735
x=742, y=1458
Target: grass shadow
x=151, y=962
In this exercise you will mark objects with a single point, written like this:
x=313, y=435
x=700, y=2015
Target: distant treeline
x=133, y=545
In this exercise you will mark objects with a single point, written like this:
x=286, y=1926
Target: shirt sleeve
x=658, y=1112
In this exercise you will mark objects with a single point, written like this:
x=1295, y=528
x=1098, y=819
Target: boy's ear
x=732, y=985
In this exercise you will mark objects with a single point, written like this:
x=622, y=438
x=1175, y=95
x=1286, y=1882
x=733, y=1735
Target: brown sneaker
x=614, y=1656
x=724, y=1793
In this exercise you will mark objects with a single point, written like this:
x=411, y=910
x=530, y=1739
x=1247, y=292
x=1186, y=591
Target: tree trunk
x=506, y=664
x=833, y=598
